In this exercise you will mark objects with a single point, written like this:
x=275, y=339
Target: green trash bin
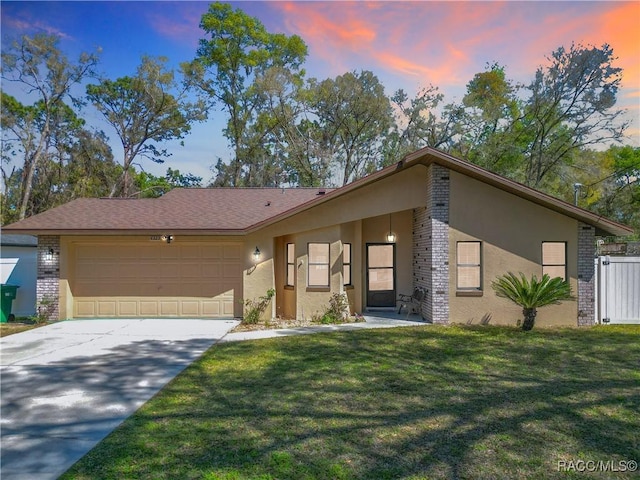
x=8, y=294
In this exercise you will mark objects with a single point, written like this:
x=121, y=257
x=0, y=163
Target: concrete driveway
x=67, y=385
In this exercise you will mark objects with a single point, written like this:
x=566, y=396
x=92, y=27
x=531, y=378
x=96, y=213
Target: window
x=346, y=263
x=318, y=265
x=554, y=259
x=291, y=264
x=469, y=266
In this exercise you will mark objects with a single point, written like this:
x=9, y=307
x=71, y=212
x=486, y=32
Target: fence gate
x=618, y=289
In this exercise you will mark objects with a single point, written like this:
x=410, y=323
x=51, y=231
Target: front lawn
x=412, y=403
x=9, y=328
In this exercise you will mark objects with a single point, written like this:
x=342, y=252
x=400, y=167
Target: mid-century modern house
x=431, y=221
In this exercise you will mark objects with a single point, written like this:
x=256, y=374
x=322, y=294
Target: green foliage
x=237, y=49
x=255, y=308
x=34, y=133
x=142, y=111
x=337, y=311
x=150, y=186
x=531, y=294
x=431, y=402
x=44, y=309
x=355, y=114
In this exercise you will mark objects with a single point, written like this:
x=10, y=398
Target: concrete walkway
x=371, y=321
x=66, y=386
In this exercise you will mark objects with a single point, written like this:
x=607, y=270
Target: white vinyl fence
x=618, y=294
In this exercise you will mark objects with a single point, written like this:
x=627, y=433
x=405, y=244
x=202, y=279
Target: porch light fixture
x=167, y=238
x=391, y=237
x=256, y=255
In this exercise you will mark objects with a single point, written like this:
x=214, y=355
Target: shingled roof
x=242, y=210
x=196, y=210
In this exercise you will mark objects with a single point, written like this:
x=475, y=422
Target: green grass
x=9, y=328
x=412, y=403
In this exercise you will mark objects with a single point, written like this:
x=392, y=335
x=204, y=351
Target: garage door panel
x=192, y=270
x=190, y=308
x=212, y=252
x=107, y=308
x=156, y=280
x=169, y=308
x=127, y=308
x=85, y=308
x=232, y=252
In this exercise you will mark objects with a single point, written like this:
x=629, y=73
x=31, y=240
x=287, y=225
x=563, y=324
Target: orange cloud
x=619, y=28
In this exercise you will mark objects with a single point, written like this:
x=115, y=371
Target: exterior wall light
x=391, y=237
x=167, y=238
x=256, y=255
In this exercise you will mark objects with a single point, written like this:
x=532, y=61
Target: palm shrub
x=531, y=294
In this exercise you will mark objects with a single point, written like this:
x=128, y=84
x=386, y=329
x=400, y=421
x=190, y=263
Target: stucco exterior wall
x=512, y=231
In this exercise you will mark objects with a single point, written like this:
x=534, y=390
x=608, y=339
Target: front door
x=381, y=275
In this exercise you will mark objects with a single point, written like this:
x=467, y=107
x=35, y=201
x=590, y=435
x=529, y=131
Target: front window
x=291, y=264
x=469, y=266
x=346, y=263
x=554, y=259
x=318, y=265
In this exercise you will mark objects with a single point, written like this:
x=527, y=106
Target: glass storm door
x=381, y=275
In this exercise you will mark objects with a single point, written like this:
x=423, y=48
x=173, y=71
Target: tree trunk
x=529, y=318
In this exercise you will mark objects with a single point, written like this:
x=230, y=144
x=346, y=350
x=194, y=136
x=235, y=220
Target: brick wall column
x=431, y=246
x=586, y=274
x=48, y=280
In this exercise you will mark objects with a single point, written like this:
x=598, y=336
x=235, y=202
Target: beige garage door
x=157, y=280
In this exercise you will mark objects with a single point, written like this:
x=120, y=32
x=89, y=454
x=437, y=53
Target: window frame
x=290, y=282
x=347, y=265
x=544, y=264
x=310, y=263
x=469, y=290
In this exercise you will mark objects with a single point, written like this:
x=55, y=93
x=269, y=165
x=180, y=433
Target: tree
x=531, y=294
x=616, y=194
x=21, y=128
x=418, y=123
x=289, y=131
x=142, y=109
x=570, y=108
x=150, y=186
x=354, y=114
x=491, y=134
x=39, y=68
x=238, y=48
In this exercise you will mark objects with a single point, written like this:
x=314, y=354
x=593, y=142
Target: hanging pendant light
x=391, y=237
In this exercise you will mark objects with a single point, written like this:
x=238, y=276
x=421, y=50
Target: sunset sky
x=407, y=44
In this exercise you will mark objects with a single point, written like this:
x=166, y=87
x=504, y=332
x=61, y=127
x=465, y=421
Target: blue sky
x=406, y=44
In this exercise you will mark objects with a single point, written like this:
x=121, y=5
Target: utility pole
x=576, y=191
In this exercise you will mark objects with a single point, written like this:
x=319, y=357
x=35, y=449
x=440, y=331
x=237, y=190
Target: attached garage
x=156, y=279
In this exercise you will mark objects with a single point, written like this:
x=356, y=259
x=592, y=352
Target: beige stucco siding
x=358, y=217
x=512, y=231
x=404, y=191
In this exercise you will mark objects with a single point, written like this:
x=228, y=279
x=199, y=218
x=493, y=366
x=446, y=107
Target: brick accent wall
x=431, y=246
x=586, y=274
x=48, y=280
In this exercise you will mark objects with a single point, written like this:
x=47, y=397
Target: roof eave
x=603, y=224
x=116, y=232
